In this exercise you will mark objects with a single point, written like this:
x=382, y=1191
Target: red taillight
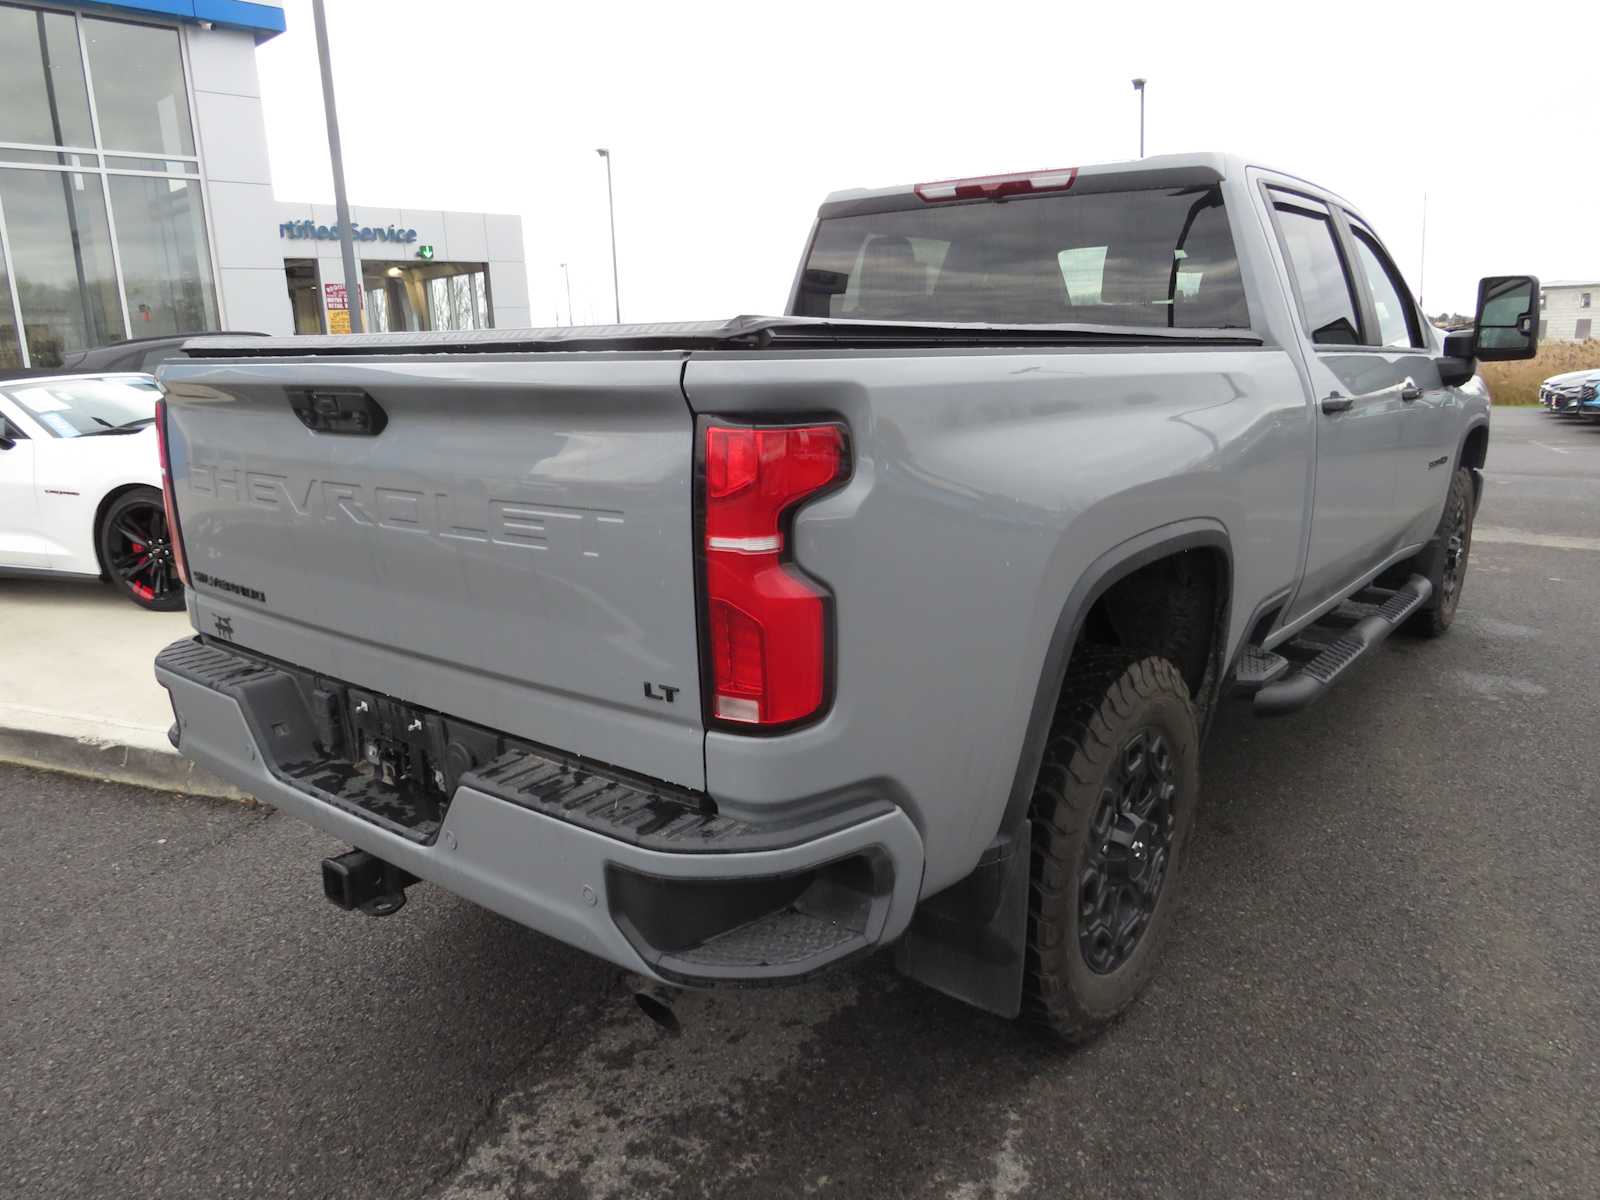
x=170, y=501
x=766, y=622
x=993, y=187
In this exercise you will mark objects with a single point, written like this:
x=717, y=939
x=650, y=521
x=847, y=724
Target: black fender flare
x=1473, y=426
x=1475, y=467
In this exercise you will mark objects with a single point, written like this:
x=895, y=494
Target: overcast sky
x=729, y=122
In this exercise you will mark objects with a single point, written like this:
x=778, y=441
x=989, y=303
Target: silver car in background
x=1560, y=393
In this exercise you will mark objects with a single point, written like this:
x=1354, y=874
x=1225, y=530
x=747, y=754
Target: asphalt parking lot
x=1384, y=980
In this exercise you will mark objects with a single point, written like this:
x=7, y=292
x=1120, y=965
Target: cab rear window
x=1142, y=258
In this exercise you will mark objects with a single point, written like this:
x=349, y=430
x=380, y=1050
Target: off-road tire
x=1110, y=699
x=1436, y=561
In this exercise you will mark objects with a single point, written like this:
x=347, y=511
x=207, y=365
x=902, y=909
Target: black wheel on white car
x=1112, y=810
x=136, y=550
x=1444, y=562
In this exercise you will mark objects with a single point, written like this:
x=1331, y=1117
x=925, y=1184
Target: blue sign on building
x=263, y=20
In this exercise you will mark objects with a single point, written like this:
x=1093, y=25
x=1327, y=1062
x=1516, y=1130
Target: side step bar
x=1292, y=693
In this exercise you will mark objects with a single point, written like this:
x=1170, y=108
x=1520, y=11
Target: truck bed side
x=985, y=486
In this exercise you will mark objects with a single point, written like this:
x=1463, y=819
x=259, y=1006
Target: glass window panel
x=439, y=303
x=1389, y=299
x=61, y=256
x=138, y=87
x=50, y=158
x=43, y=99
x=154, y=358
x=377, y=310
x=481, y=282
x=1327, y=303
x=166, y=166
x=166, y=271
x=10, y=344
x=1107, y=258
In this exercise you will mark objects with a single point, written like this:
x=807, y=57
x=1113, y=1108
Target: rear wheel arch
x=149, y=577
x=989, y=908
x=111, y=497
x=1117, y=565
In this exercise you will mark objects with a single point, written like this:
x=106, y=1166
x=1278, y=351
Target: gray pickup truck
x=729, y=652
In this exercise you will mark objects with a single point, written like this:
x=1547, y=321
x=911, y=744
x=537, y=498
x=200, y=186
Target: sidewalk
x=77, y=687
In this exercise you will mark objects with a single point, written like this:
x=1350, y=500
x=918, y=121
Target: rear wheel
x=1112, y=810
x=136, y=550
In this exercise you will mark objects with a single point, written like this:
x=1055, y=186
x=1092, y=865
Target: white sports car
x=80, y=483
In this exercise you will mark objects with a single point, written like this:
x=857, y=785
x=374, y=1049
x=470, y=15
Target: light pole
x=1138, y=86
x=1422, y=255
x=567, y=275
x=611, y=203
x=347, y=246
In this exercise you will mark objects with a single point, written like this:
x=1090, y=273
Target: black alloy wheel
x=1112, y=810
x=1125, y=859
x=1456, y=542
x=137, y=553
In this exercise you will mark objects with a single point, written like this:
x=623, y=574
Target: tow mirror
x=1507, y=325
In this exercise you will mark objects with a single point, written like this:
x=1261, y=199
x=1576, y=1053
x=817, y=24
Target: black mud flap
x=969, y=941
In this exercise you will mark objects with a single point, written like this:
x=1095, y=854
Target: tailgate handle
x=338, y=410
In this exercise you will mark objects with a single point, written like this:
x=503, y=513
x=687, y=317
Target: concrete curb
x=104, y=749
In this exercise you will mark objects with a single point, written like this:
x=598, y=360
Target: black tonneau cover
x=740, y=333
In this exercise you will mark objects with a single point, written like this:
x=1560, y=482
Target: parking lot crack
x=588, y=1013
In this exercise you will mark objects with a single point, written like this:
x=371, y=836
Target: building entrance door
x=305, y=294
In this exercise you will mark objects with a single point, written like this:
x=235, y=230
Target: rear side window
x=1326, y=301
x=1141, y=258
x=154, y=358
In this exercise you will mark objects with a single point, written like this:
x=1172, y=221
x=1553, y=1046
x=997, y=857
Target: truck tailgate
x=503, y=539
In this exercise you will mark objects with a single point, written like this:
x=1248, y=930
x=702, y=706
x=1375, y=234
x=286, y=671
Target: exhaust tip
x=655, y=1001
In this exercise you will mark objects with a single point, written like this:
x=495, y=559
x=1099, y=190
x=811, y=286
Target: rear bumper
x=695, y=916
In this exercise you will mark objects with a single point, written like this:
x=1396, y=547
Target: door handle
x=1409, y=391
x=1335, y=403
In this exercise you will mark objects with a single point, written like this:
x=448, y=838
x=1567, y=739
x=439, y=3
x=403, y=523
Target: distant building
x=136, y=197
x=1567, y=309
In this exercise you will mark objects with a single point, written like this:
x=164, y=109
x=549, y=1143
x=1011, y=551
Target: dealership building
x=136, y=197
